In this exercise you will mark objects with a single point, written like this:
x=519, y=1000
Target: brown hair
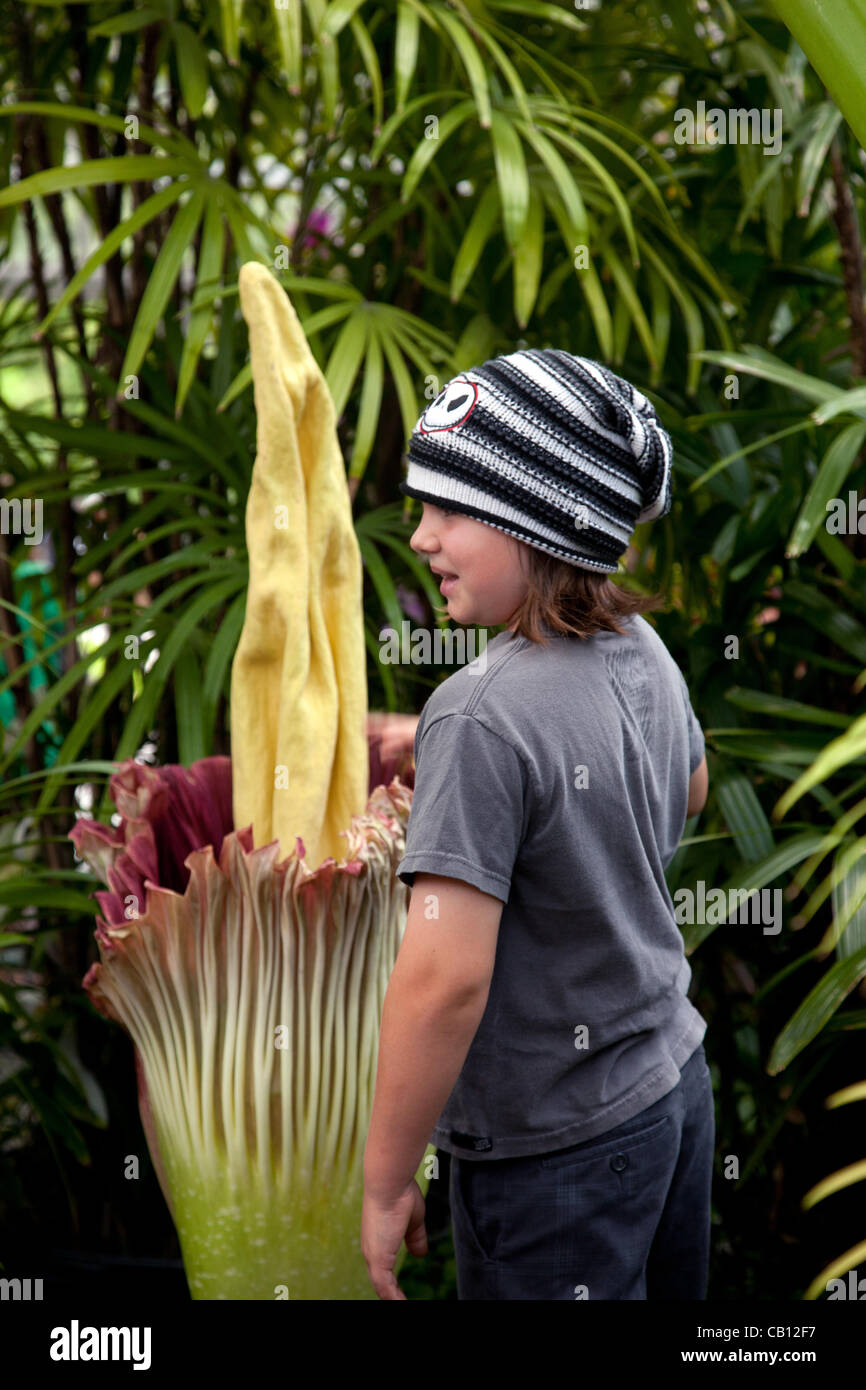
x=573, y=601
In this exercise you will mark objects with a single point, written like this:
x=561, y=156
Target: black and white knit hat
x=553, y=449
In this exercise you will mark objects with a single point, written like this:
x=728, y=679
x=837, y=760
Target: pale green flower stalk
x=253, y=1000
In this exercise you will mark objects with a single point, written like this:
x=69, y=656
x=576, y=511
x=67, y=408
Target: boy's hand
x=383, y=1228
x=395, y=733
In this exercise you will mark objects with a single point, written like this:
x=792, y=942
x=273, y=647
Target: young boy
x=536, y=1025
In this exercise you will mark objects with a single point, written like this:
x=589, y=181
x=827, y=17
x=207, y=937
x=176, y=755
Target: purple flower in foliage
x=317, y=227
x=411, y=603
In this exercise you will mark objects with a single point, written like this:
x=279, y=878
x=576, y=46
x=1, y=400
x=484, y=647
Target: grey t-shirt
x=556, y=779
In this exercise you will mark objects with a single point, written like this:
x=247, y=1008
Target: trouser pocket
x=623, y=1140
x=475, y=1193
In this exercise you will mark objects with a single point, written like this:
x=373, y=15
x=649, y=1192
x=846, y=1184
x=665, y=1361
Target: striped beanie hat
x=553, y=449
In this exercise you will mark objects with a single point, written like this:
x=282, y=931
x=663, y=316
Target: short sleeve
x=467, y=811
x=696, y=733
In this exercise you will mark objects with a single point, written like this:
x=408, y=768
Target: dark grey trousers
x=622, y=1216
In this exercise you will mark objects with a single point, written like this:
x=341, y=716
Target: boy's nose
x=421, y=538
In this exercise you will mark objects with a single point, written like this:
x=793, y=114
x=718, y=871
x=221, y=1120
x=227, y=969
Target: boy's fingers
x=416, y=1242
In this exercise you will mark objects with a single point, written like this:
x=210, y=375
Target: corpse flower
x=252, y=990
x=243, y=947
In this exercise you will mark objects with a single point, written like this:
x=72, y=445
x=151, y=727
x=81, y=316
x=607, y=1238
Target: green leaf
x=161, y=283
x=90, y=716
x=587, y=279
x=592, y=130
x=382, y=583
x=630, y=297
x=692, y=318
x=237, y=218
x=472, y=62
x=370, y=406
x=188, y=707
x=756, y=361
x=153, y=537
x=200, y=558
x=853, y=401
x=127, y=168
x=481, y=225
x=192, y=68
x=834, y=40
x=221, y=651
x=325, y=52
x=404, y=116
x=124, y=23
x=210, y=451
x=338, y=15
x=508, y=70
x=427, y=148
x=826, y=617
x=839, y=556
x=849, y=908
x=345, y=360
x=52, y=1118
x=89, y=767
x=608, y=183
x=816, y=1010
x=832, y=472
x=288, y=19
x=371, y=639
x=99, y=440
x=550, y=14
x=209, y=273
x=757, y=875
x=411, y=561
x=772, y=170
x=391, y=343
x=838, y=753
x=335, y=313
x=759, y=746
x=52, y=696
x=660, y=300
x=527, y=261
x=405, y=50
x=243, y=380
x=108, y=246
x=744, y=816
x=231, y=13
x=144, y=708
x=37, y=893
x=747, y=449
x=64, y=111
x=778, y=707
x=827, y=119
x=563, y=181
x=367, y=50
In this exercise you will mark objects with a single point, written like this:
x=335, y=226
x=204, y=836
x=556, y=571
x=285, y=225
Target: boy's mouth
x=448, y=580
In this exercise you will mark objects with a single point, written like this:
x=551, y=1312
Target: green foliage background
x=422, y=178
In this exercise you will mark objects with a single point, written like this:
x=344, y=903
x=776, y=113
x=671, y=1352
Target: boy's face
x=490, y=582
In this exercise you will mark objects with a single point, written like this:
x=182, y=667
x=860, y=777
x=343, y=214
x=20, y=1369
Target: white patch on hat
x=451, y=408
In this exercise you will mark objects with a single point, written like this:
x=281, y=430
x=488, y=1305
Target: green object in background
x=832, y=34
x=33, y=591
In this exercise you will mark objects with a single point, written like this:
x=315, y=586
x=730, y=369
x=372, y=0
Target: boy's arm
x=434, y=1003
x=698, y=784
